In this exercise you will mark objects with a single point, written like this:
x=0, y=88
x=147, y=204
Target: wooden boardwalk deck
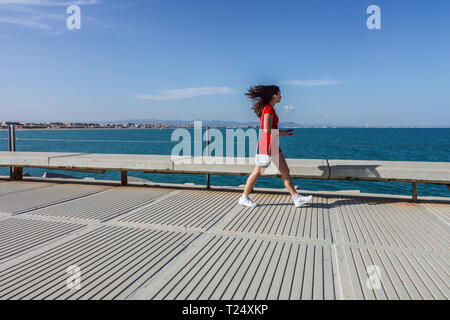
x=184, y=243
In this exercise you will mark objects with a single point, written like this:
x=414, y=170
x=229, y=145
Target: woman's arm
x=266, y=133
x=268, y=118
x=285, y=133
x=268, y=123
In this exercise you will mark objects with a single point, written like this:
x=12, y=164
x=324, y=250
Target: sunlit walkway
x=174, y=242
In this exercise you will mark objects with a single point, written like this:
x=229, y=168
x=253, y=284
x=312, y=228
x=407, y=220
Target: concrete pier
x=163, y=241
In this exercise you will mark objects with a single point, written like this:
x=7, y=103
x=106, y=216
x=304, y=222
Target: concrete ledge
x=314, y=168
x=132, y=162
x=407, y=171
x=433, y=172
x=31, y=159
x=213, y=165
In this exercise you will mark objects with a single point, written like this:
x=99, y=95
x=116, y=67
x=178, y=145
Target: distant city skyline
x=178, y=60
x=155, y=123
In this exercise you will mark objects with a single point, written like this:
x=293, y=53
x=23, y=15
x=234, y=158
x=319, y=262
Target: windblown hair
x=261, y=95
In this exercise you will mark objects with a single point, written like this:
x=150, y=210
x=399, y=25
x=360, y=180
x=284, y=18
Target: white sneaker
x=300, y=200
x=246, y=201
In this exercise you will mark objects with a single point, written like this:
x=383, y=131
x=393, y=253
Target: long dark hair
x=261, y=95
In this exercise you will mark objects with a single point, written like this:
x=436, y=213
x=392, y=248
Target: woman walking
x=265, y=98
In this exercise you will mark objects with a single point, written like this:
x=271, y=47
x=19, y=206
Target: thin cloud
x=124, y=6
x=49, y=3
x=25, y=22
x=288, y=109
x=176, y=94
x=44, y=15
x=313, y=83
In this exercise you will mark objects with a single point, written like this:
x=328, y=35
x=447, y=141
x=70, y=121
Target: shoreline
x=220, y=127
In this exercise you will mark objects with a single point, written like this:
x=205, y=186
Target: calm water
x=396, y=144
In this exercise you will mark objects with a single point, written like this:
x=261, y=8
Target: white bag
x=262, y=160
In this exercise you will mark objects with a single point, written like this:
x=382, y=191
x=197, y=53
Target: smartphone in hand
x=290, y=131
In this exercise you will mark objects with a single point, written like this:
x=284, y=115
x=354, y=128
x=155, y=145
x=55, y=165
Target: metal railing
x=16, y=170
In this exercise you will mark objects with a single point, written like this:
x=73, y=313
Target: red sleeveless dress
x=264, y=142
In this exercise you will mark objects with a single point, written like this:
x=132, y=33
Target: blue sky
x=188, y=60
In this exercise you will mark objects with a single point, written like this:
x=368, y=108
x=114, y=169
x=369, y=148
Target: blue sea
x=395, y=144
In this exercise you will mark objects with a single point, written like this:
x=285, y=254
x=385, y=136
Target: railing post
x=12, y=137
x=18, y=173
x=123, y=178
x=14, y=173
x=208, y=177
x=414, y=191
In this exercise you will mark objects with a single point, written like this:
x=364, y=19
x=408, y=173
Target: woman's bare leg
x=285, y=175
x=251, y=180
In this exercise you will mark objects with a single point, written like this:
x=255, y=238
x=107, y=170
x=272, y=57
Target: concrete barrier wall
x=432, y=172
